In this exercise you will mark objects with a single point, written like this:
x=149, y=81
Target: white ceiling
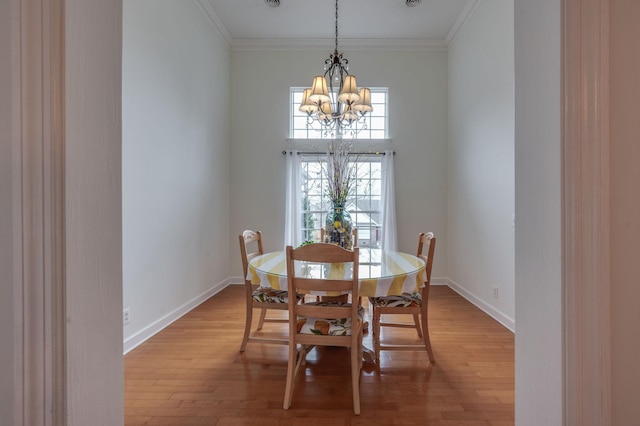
x=312, y=22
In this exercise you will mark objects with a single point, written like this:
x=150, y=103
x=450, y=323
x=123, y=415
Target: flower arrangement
x=341, y=175
x=341, y=171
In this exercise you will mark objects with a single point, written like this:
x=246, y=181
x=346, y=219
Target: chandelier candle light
x=334, y=100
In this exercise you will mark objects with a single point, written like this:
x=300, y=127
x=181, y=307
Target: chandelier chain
x=336, y=25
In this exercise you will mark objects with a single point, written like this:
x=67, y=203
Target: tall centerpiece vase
x=339, y=227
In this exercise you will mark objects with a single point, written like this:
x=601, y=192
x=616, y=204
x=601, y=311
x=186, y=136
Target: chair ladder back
x=317, y=284
x=246, y=238
x=323, y=253
x=430, y=240
x=323, y=311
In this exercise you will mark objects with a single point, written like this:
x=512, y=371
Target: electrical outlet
x=125, y=316
x=495, y=292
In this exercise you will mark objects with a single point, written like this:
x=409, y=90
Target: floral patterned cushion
x=330, y=327
x=404, y=301
x=269, y=295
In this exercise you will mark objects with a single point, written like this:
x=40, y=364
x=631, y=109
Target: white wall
x=6, y=218
x=539, y=397
x=260, y=83
x=480, y=160
x=625, y=211
x=175, y=162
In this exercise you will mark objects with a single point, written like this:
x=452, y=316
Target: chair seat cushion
x=404, y=301
x=325, y=326
x=269, y=295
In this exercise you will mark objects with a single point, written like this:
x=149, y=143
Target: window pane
x=377, y=97
x=300, y=122
x=300, y=134
x=379, y=110
x=377, y=134
x=376, y=170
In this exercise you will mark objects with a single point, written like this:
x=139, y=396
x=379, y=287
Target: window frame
x=319, y=213
x=295, y=96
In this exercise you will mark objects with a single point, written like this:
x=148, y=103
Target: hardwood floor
x=191, y=373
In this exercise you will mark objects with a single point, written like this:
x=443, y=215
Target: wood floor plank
x=192, y=373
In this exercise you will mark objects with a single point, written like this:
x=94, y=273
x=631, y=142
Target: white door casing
x=41, y=215
x=586, y=280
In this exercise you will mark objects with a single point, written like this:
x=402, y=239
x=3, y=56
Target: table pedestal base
x=368, y=355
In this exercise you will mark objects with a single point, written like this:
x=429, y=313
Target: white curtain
x=389, y=230
x=292, y=226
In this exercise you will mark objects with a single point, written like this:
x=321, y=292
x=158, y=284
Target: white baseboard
x=146, y=333
x=503, y=319
x=235, y=280
x=439, y=281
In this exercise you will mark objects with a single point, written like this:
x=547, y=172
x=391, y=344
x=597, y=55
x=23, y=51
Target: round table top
x=380, y=272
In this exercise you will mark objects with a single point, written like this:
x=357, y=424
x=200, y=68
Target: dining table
x=380, y=273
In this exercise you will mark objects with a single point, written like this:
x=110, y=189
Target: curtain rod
x=323, y=153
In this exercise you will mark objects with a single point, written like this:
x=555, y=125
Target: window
x=375, y=122
x=364, y=204
x=371, y=208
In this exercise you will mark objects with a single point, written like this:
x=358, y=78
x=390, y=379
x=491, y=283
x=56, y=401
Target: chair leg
x=263, y=314
x=356, y=360
x=291, y=366
x=302, y=354
x=376, y=332
x=416, y=320
x=247, y=325
x=360, y=353
x=427, y=341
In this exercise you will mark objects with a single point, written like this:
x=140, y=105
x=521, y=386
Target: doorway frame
x=39, y=140
x=585, y=212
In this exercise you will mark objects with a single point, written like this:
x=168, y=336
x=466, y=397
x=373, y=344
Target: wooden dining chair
x=258, y=297
x=415, y=304
x=324, y=323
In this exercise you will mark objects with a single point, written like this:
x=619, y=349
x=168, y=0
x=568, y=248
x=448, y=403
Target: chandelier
x=334, y=101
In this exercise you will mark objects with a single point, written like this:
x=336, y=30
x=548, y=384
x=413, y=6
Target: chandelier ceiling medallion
x=334, y=100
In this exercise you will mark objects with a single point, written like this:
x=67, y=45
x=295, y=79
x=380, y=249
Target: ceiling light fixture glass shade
x=334, y=100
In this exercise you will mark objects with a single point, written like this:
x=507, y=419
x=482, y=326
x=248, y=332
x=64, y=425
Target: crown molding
x=462, y=19
x=215, y=20
x=323, y=44
x=328, y=44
